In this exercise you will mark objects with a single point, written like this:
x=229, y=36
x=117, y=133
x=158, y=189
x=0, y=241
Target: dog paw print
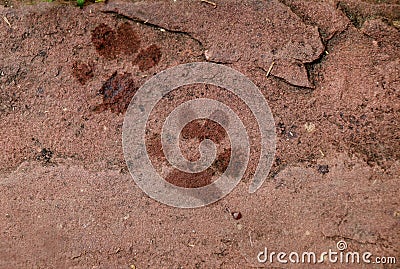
x=148, y=58
x=125, y=41
x=119, y=89
x=117, y=93
x=110, y=44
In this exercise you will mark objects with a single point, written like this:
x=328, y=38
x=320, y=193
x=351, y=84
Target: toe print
x=148, y=57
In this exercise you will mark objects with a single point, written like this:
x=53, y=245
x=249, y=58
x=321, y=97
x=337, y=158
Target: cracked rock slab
x=265, y=32
x=325, y=15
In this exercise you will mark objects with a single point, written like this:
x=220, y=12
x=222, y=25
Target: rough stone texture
x=255, y=32
x=67, y=200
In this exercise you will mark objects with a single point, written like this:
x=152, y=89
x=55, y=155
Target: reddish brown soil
x=67, y=76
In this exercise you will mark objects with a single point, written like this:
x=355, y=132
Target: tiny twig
x=6, y=20
x=210, y=3
x=270, y=68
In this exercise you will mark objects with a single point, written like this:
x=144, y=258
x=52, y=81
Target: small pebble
x=310, y=127
x=236, y=215
x=323, y=169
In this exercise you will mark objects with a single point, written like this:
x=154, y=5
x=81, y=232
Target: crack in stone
x=155, y=26
x=281, y=79
x=310, y=66
x=305, y=65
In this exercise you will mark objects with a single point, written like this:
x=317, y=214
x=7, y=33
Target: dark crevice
x=222, y=62
x=282, y=80
x=218, y=62
x=335, y=35
x=311, y=68
x=356, y=19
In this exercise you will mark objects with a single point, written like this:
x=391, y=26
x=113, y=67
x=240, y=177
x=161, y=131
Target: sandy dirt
x=67, y=76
